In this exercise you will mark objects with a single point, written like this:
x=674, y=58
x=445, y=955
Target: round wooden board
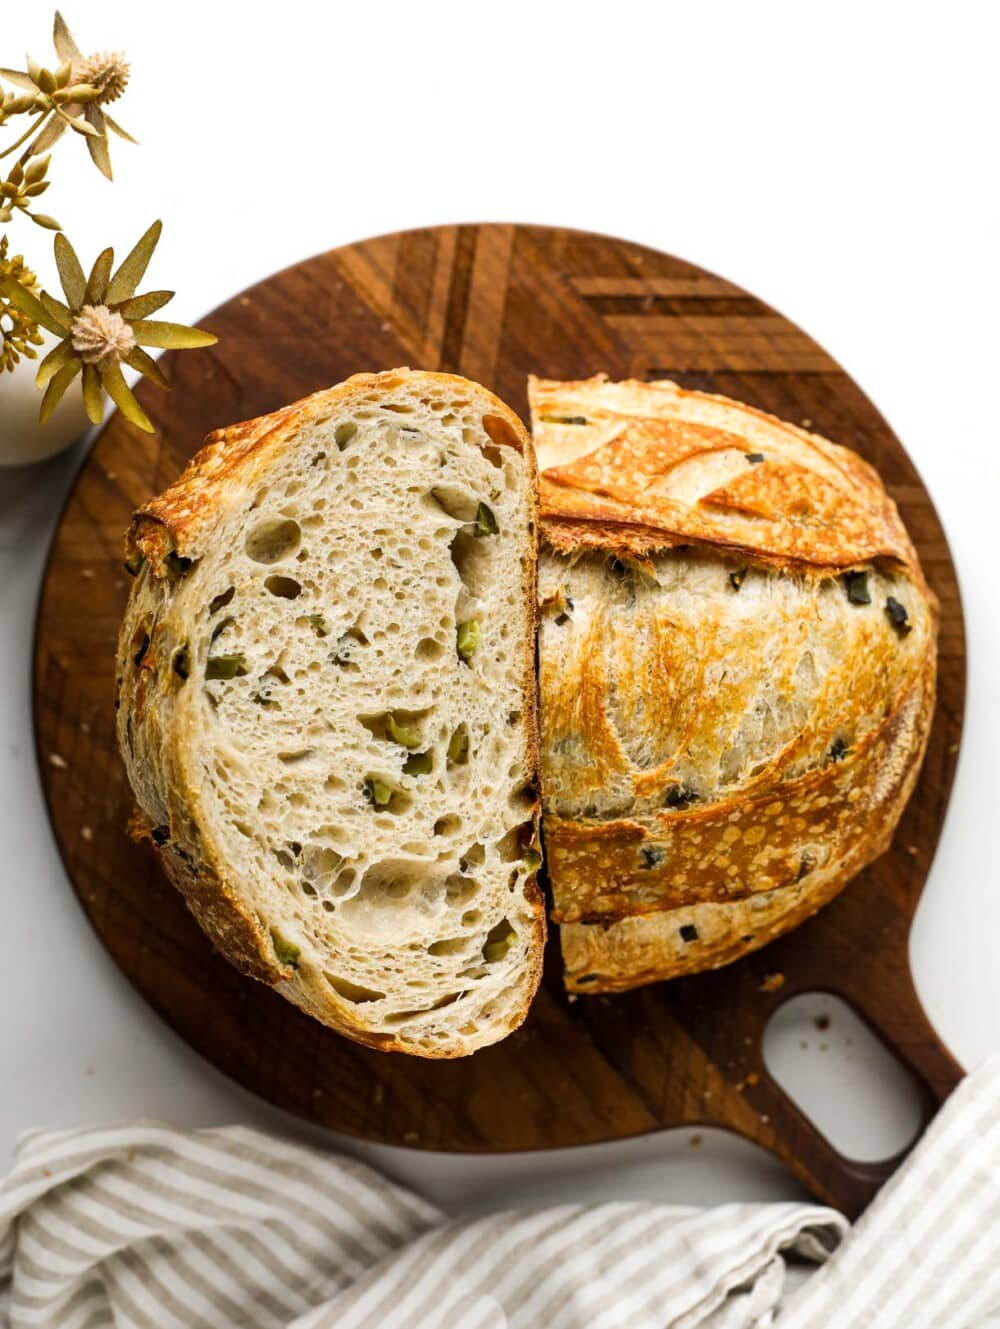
x=492, y=302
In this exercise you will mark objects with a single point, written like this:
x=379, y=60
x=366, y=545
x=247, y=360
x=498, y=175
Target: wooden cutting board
x=492, y=302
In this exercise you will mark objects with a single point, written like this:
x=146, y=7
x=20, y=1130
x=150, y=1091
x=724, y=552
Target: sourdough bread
x=327, y=706
x=737, y=668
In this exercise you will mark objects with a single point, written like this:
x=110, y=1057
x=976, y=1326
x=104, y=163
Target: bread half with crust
x=737, y=669
x=327, y=706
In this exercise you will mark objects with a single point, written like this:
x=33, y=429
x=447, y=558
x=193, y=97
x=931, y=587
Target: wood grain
x=492, y=302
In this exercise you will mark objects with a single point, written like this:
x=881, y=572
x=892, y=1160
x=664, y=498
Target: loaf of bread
x=737, y=669
x=327, y=706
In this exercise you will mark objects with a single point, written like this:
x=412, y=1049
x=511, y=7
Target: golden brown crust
x=666, y=682
x=652, y=948
x=156, y=732
x=755, y=842
x=638, y=465
x=189, y=861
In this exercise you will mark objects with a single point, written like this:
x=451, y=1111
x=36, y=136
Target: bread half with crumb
x=737, y=673
x=326, y=706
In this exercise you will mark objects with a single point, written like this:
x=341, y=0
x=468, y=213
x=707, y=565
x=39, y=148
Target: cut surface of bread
x=737, y=667
x=327, y=706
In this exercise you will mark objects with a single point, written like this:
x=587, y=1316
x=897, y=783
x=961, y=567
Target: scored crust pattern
x=737, y=674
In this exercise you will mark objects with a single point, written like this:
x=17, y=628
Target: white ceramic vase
x=22, y=439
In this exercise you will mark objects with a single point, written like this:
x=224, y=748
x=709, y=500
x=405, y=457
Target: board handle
x=784, y=1129
x=902, y=1025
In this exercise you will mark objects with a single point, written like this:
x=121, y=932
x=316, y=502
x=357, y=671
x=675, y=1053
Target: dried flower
x=108, y=72
x=19, y=334
x=23, y=184
x=102, y=326
x=100, y=336
x=11, y=104
x=70, y=97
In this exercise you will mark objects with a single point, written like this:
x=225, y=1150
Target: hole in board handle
x=843, y=1077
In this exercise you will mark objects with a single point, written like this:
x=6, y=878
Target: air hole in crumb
x=469, y=557
x=271, y=541
x=384, y=885
x=293, y=758
x=320, y=865
x=450, y=946
x=353, y=992
x=344, y=433
x=498, y=941
x=458, y=889
x=525, y=797
x=457, y=503
x=286, y=588
x=474, y=856
x=343, y=883
x=220, y=601
x=449, y=825
x=429, y=649
x=511, y=847
x=502, y=433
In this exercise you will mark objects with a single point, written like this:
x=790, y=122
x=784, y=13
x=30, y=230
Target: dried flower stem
x=37, y=124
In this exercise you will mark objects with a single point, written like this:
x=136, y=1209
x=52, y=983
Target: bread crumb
x=58, y=762
x=410, y=1137
x=911, y=849
x=753, y=1078
x=86, y=833
x=696, y=1141
x=87, y=573
x=244, y=302
x=822, y=1022
x=772, y=983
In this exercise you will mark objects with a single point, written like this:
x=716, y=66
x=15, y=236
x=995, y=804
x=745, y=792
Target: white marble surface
x=839, y=161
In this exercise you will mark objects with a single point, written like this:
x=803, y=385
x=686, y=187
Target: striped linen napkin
x=146, y=1227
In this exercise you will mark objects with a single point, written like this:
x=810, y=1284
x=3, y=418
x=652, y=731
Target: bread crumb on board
x=772, y=983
